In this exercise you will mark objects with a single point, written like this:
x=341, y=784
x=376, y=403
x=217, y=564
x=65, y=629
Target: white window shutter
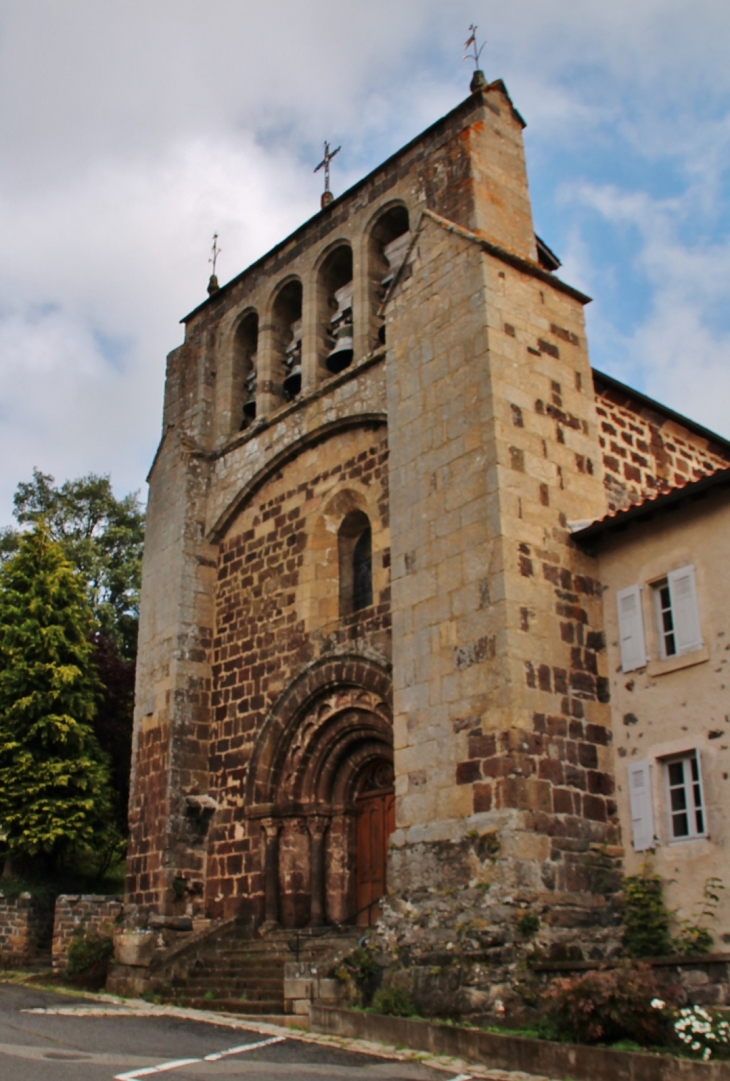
x=631, y=628
x=683, y=592
x=642, y=812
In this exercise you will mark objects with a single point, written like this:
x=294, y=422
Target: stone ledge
x=514, y=1053
x=677, y=960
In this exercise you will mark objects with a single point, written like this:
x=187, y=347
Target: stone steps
x=237, y=1005
x=232, y=971
x=254, y=988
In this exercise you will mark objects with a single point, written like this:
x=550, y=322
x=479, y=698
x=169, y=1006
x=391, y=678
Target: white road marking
x=156, y=1069
x=244, y=1047
x=133, y=1075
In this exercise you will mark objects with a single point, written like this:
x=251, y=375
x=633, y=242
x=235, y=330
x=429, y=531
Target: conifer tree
x=54, y=781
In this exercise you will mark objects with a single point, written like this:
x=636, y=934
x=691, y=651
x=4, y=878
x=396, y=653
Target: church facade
x=372, y=677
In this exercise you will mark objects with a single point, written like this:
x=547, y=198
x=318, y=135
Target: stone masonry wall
x=468, y=166
x=276, y=612
x=74, y=913
x=25, y=925
x=645, y=452
x=503, y=764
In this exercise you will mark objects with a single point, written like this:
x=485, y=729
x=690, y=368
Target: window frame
x=660, y=631
x=691, y=786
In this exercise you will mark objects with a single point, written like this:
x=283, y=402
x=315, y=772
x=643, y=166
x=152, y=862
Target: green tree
x=55, y=798
x=102, y=537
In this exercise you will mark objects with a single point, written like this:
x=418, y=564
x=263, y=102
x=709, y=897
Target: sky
x=132, y=132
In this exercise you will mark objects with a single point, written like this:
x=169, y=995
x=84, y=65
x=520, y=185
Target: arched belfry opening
x=245, y=352
x=335, y=290
x=390, y=239
x=286, y=329
x=355, y=557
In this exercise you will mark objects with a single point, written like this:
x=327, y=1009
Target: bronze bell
x=293, y=382
x=293, y=362
x=342, y=354
x=249, y=405
x=340, y=331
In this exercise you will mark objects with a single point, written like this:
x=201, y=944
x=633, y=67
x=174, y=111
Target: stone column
x=311, y=367
x=361, y=331
x=269, y=374
x=270, y=829
x=317, y=826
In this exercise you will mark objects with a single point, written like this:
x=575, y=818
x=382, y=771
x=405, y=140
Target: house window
x=665, y=619
x=676, y=618
x=686, y=806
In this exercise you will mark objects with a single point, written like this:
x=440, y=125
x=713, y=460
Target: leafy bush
x=89, y=954
x=361, y=970
x=693, y=937
x=529, y=924
x=646, y=919
x=394, y=1001
x=604, y=1006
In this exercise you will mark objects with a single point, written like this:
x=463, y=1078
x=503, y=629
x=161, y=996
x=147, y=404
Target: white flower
x=706, y=1054
x=657, y=1004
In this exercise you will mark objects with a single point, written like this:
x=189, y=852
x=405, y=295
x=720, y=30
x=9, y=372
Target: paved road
x=40, y=1046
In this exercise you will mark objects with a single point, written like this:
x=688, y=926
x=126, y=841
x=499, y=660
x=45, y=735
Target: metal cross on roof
x=472, y=40
x=478, y=81
x=214, y=252
x=325, y=164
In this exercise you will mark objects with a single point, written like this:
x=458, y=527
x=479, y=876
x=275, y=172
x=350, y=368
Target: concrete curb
x=514, y=1053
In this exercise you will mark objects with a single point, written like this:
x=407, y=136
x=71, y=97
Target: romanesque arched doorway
x=321, y=786
x=374, y=823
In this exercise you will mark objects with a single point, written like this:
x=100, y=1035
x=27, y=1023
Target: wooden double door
x=375, y=823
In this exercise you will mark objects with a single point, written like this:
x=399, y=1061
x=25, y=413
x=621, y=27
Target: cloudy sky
x=130, y=132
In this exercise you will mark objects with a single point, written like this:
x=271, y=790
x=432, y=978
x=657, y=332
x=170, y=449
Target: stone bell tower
x=501, y=728
x=404, y=378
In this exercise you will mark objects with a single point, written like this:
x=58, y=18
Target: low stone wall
x=25, y=926
x=515, y=1053
x=87, y=911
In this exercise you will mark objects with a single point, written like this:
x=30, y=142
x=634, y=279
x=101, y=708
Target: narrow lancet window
x=356, y=563
x=362, y=571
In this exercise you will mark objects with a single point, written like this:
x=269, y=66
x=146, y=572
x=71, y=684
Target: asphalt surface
x=39, y=1046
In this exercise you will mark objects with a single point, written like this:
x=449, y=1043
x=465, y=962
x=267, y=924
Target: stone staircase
x=229, y=969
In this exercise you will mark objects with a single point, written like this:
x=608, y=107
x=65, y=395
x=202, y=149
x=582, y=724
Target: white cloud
x=681, y=349
x=130, y=132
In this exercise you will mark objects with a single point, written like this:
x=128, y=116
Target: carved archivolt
x=339, y=723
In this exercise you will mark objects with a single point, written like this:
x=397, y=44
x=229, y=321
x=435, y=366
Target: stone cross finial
x=327, y=196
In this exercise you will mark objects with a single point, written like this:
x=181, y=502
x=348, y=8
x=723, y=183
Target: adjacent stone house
x=372, y=653
x=662, y=566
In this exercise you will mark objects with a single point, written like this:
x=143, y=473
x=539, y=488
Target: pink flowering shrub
x=606, y=1005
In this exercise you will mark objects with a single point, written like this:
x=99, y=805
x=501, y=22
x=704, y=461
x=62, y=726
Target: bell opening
x=340, y=358
x=293, y=384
